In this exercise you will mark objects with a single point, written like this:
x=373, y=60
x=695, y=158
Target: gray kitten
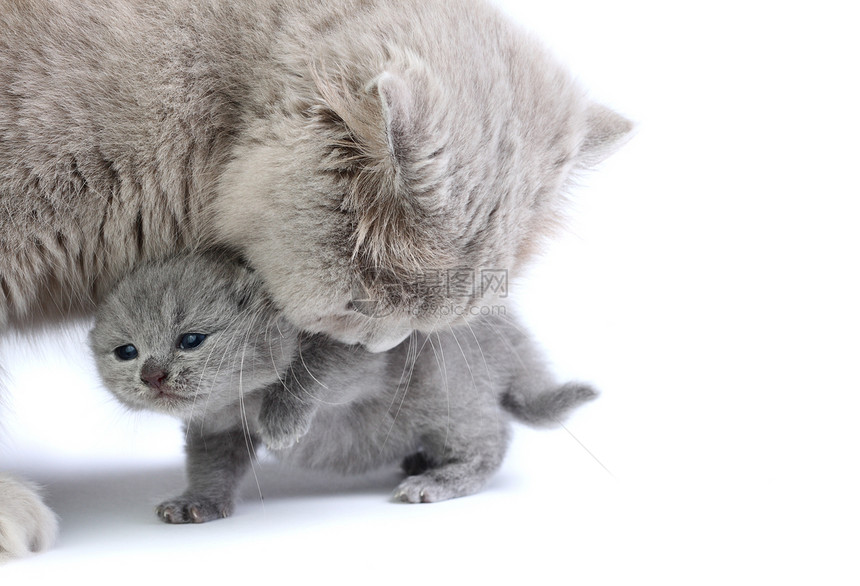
x=347, y=148
x=198, y=338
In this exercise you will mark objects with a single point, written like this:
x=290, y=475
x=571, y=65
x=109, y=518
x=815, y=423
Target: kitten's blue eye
x=127, y=352
x=190, y=341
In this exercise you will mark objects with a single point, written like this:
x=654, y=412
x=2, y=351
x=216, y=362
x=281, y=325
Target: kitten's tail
x=547, y=407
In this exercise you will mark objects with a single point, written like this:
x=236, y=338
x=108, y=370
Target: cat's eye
x=190, y=341
x=127, y=352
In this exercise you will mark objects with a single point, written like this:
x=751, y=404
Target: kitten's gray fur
x=439, y=403
x=346, y=148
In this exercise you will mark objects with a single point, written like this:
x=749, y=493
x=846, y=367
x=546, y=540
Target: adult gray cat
x=197, y=337
x=347, y=148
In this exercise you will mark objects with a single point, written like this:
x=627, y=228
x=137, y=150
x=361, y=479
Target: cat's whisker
x=444, y=373
x=465, y=358
x=305, y=391
x=404, y=392
x=504, y=339
x=275, y=323
x=306, y=369
x=498, y=415
x=480, y=349
x=509, y=321
x=406, y=388
x=297, y=382
x=405, y=377
x=407, y=363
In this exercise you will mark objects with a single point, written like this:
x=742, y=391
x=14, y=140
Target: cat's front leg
x=26, y=524
x=215, y=464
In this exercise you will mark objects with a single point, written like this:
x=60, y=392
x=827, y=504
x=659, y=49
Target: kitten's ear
x=243, y=299
x=607, y=132
x=245, y=287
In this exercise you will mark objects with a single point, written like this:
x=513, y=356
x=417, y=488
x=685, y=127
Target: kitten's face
x=188, y=337
x=402, y=193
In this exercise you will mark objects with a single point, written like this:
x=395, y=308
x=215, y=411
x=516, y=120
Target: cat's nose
x=154, y=378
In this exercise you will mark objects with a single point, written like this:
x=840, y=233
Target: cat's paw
x=26, y=524
x=193, y=510
x=425, y=489
x=281, y=439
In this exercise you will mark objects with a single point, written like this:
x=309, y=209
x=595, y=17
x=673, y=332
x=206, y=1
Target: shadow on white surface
x=96, y=502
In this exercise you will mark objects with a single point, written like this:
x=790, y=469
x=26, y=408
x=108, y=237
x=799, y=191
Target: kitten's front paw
x=282, y=427
x=193, y=510
x=281, y=439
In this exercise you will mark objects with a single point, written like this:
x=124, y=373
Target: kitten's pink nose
x=154, y=378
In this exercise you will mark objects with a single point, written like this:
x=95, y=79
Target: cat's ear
x=377, y=137
x=395, y=99
x=607, y=131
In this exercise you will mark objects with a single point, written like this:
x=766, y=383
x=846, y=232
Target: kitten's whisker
x=217, y=372
x=227, y=346
x=246, y=429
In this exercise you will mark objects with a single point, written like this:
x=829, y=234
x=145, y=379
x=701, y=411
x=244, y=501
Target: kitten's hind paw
x=415, y=464
x=424, y=488
x=192, y=510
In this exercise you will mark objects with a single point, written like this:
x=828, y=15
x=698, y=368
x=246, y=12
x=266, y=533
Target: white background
x=708, y=287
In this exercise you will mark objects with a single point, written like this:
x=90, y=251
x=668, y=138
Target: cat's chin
x=382, y=341
x=374, y=334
